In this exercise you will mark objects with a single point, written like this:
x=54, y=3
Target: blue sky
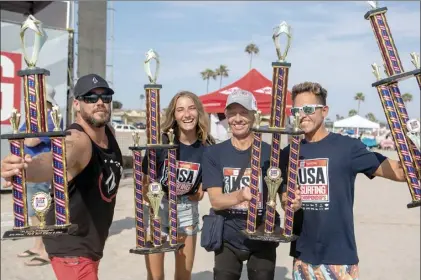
x=332, y=44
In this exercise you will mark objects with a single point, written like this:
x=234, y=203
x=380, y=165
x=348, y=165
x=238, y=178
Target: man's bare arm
x=392, y=170
x=78, y=154
x=221, y=201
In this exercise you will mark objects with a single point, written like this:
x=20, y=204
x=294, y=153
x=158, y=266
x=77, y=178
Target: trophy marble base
x=276, y=236
x=288, y=131
x=17, y=136
x=52, y=230
x=153, y=147
x=151, y=249
x=396, y=78
x=413, y=204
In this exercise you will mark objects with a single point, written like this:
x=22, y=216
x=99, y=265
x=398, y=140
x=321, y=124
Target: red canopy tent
x=253, y=81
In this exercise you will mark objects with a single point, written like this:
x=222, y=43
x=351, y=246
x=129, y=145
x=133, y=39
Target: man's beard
x=94, y=122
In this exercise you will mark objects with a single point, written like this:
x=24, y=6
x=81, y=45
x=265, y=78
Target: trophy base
x=279, y=130
x=52, y=230
x=17, y=136
x=413, y=204
x=151, y=249
x=276, y=236
x=397, y=78
x=153, y=147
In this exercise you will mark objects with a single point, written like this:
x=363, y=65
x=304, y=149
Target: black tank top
x=92, y=198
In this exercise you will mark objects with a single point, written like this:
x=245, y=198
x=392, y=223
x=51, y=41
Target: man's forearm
x=40, y=169
x=225, y=200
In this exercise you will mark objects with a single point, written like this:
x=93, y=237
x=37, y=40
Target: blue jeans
x=187, y=216
x=31, y=189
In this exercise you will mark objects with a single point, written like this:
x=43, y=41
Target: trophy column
x=155, y=192
x=255, y=174
x=172, y=176
x=394, y=70
x=268, y=232
x=392, y=101
x=36, y=126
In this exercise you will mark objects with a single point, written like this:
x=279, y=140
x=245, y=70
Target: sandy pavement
x=388, y=238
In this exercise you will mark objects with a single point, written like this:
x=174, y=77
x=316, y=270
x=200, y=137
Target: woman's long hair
x=202, y=127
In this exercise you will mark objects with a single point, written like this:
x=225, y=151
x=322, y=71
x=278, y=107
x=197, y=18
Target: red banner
x=10, y=90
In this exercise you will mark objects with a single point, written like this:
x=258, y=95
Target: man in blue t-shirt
x=222, y=164
x=328, y=166
x=33, y=147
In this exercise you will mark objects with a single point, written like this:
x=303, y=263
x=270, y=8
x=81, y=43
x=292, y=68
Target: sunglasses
x=307, y=109
x=91, y=97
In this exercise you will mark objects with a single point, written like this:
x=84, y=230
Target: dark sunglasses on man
x=92, y=98
x=307, y=109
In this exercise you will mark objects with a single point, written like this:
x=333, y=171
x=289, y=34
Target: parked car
x=140, y=125
x=125, y=128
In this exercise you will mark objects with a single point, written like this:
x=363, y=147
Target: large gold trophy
x=268, y=231
x=36, y=126
x=405, y=131
x=155, y=193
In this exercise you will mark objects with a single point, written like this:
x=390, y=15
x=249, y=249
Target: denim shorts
x=31, y=189
x=187, y=215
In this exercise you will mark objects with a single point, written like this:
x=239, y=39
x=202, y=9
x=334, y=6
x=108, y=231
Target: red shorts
x=75, y=268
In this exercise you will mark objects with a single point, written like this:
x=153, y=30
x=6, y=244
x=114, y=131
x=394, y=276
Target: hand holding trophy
x=392, y=101
x=35, y=107
x=155, y=193
x=268, y=231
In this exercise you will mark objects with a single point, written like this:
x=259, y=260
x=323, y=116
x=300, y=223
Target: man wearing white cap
x=35, y=146
x=226, y=178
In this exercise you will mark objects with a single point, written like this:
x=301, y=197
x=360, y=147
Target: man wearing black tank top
x=94, y=169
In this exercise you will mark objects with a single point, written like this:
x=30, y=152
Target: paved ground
x=388, y=237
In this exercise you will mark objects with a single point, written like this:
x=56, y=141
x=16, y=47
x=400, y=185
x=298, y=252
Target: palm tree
x=407, y=97
x=360, y=98
x=142, y=98
x=352, y=112
x=339, y=117
x=371, y=117
x=206, y=75
x=251, y=49
x=222, y=71
x=117, y=105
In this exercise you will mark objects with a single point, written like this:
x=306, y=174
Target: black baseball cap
x=89, y=82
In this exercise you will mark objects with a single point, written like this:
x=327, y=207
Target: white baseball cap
x=244, y=98
x=51, y=92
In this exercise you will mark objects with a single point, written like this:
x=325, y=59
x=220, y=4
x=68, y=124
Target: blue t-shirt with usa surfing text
x=222, y=164
x=327, y=173
x=45, y=144
x=189, y=171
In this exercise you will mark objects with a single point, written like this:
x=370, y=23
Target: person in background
x=33, y=147
x=328, y=165
x=186, y=116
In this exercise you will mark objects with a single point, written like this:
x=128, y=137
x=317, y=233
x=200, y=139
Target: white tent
x=357, y=122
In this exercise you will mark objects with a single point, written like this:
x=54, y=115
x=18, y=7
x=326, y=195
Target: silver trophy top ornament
x=151, y=54
x=40, y=37
x=373, y=4
x=282, y=28
x=415, y=59
x=414, y=129
x=376, y=71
